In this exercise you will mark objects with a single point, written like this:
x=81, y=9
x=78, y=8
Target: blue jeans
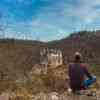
x=89, y=82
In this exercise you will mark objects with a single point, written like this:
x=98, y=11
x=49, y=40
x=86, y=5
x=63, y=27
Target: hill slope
x=85, y=42
x=17, y=57
x=22, y=55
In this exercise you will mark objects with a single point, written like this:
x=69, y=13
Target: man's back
x=76, y=74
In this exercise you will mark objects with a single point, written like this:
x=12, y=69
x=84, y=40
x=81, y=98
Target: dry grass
x=43, y=87
x=16, y=61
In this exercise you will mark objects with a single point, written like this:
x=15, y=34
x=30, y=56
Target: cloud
x=85, y=10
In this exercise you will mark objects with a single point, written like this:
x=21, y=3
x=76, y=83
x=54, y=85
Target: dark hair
x=77, y=59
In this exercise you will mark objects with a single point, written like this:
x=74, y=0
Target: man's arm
x=86, y=71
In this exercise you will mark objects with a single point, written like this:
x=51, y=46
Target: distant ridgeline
x=24, y=54
x=85, y=34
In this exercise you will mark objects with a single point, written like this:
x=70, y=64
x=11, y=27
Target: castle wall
x=51, y=57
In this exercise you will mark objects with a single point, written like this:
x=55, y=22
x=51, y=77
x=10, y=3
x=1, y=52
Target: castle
x=51, y=57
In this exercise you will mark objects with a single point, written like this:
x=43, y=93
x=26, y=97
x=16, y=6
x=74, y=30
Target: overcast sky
x=47, y=19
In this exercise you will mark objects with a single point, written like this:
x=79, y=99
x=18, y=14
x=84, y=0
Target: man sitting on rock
x=80, y=78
